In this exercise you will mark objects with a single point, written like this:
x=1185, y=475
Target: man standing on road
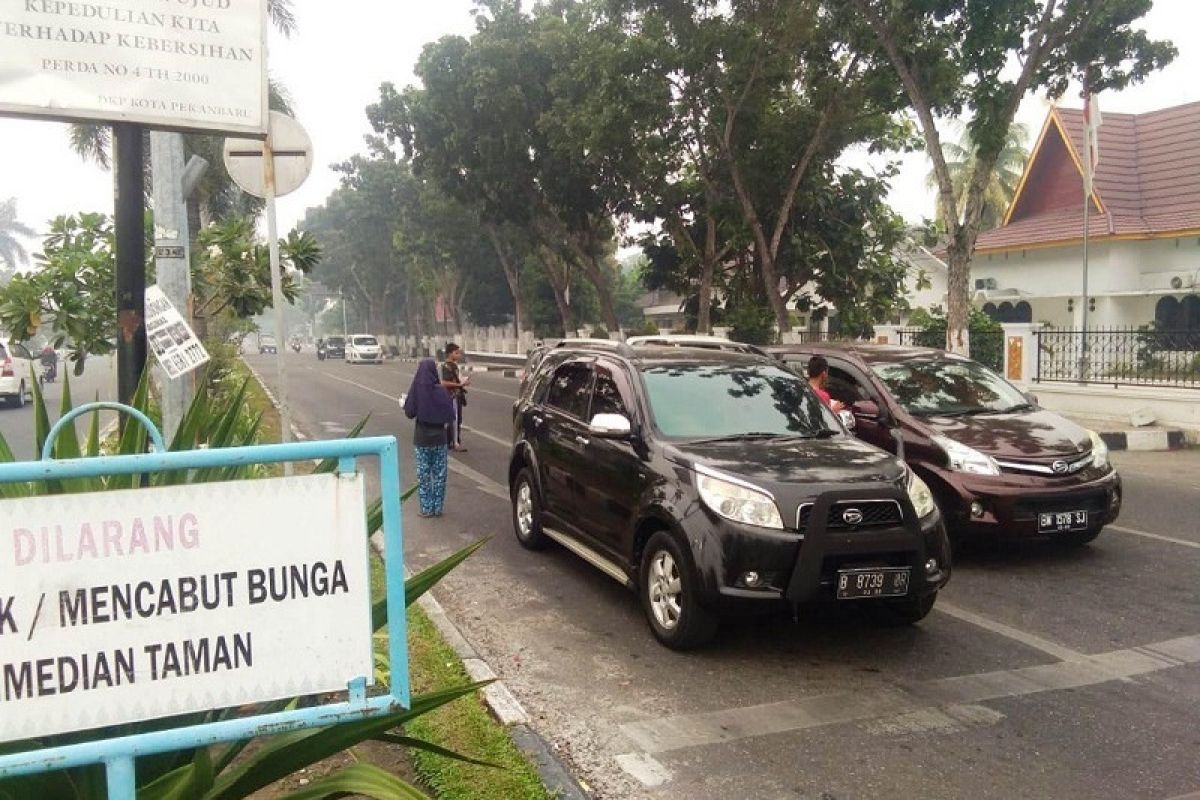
x=818, y=377
x=457, y=386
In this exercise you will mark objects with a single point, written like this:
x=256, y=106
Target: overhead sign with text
x=117, y=607
x=188, y=64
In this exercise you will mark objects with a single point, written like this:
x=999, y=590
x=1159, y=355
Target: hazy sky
x=345, y=48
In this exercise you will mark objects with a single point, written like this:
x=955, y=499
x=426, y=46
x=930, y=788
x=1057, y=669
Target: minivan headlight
x=737, y=501
x=920, y=495
x=967, y=459
x=1099, y=450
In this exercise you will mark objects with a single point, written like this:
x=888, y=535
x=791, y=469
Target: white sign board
x=170, y=337
x=291, y=154
x=188, y=64
x=123, y=606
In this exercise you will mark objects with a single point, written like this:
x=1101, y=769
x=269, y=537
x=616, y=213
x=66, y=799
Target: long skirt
x=432, y=468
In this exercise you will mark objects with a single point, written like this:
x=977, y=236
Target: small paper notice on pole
x=170, y=337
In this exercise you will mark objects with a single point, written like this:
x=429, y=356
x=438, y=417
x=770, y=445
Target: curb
x=501, y=702
x=1146, y=441
x=505, y=707
x=297, y=436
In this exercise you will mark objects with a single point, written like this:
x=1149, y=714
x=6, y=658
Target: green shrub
x=987, y=335
x=751, y=324
x=599, y=332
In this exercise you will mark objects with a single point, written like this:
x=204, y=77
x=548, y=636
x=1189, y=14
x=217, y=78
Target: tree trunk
x=511, y=276
x=708, y=265
x=595, y=275
x=558, y=283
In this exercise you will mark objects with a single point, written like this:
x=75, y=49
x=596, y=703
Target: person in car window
x=457, y=386
x=818, y=377
x=429, y=403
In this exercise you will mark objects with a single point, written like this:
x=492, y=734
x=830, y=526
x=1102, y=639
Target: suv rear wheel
x=526, y=508
x=668, y=589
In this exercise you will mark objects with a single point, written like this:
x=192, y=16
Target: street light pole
x=130, y=259
x=342, y=298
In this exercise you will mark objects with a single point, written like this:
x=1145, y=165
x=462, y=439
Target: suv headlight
x=920, y=495
x=1099, y=450
x=967, y=459
x=737, y=501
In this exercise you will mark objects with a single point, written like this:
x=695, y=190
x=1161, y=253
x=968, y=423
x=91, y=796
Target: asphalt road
x=1044, y=672
x=98, y=380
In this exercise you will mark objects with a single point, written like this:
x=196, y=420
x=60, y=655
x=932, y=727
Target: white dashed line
x=1159, y=537
x=1028, y=639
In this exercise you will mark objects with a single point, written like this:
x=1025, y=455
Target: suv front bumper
x=797, y=568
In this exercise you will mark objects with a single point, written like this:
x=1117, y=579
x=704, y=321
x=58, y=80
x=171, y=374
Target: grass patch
x=257, y=402
x=464, y=726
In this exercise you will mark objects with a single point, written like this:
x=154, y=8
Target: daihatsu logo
x=852, y=516
x=1059, y=467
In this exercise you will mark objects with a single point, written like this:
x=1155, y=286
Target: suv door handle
x=582, y=440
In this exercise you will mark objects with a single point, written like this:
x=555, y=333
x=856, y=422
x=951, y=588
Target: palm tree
x=960, y=159
x=12, y=252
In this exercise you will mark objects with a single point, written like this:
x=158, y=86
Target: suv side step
x=589, y=555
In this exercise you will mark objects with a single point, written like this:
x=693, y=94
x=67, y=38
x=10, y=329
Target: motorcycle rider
x=49, y=358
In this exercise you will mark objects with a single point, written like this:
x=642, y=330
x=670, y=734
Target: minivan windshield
x=734, y=401
x=947, y=387
x=364, y=341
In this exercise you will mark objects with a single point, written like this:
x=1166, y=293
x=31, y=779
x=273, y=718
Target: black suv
x=713, y=481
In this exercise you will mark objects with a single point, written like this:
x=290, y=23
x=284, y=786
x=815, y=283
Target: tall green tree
x=981, y=58
x=1000, y=190
x=12, y=252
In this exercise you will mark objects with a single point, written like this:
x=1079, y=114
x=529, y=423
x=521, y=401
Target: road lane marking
x=645, y=768
x=1024, y=637
x=714, y=727
x=396, y=398
x=483, y=482
x=485, y=435
x=1159, y=537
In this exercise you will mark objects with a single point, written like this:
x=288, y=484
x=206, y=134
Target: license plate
x=1062, y=521
x=884, y=582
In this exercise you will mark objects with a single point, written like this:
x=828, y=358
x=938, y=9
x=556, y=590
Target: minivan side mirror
x=611, y=426
x=867, y=409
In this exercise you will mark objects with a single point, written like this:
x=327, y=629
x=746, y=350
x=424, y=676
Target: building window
x=1022, y=312
x=1178, y=315
x=1007, y=312
x=990, y=310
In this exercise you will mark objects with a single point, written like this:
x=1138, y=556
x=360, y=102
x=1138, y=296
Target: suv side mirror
x=611, y=426
x=1032, y=398
x=867, y=409
x=847, y=418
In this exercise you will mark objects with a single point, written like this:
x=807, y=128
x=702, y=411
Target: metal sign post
x=269, y=169
x=164, y=536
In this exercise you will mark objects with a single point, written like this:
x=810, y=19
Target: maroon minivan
x=997, y=463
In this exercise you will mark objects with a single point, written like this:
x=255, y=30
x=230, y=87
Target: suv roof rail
x=621, y=348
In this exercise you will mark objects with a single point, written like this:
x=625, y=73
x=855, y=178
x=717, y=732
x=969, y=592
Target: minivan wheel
x=905, y=611
x=669, y=593
x=527, y=515
x=19, y=400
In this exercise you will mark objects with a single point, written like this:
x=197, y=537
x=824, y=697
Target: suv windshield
x=364, y=341
x=336, y=341
x=949, y=387
x=729, y=401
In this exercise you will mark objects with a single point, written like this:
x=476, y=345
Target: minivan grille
x=875, y=514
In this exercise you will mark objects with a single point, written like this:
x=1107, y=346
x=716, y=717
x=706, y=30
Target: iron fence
x=1119, y=356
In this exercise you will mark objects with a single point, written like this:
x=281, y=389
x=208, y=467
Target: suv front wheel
x=669, y=593
x=527, y=518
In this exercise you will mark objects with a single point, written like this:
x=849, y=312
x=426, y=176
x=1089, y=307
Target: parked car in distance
x=331, y=347
x=712, y=482
x=267, y=344
x=998, y=464
x=363, y=349
x=17, y=374
x=694, y=340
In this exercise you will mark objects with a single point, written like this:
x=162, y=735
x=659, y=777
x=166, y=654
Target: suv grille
x=874, y=514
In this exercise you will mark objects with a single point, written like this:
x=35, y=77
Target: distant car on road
x=711, y=481
x=998, y=464
x=17, y=373
x=267, y=344
x=331, y=347
x=362, y=349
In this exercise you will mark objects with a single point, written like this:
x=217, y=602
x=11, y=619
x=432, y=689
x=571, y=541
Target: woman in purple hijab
x=430, y=405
